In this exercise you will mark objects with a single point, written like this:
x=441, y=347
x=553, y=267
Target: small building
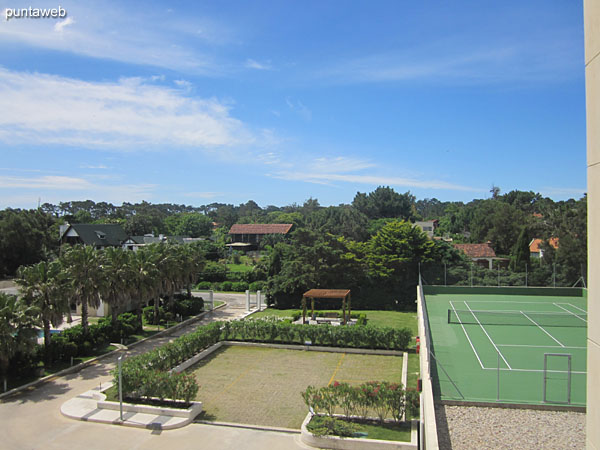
x=535, y=251
x=248, y=236
x=428, y=226
x=97, y=235
x=482, y=254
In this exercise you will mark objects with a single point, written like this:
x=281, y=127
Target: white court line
x=486, y=333
x=468, y=338
x=509, y=301
x=539, y=346
x=540, y=327
x=534, y=370
x=577, y=307
x=556, y=304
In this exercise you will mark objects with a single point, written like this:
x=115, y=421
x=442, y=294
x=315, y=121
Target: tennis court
x=509, y=345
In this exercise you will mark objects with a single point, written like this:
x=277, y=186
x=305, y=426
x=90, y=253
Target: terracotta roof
x=534, y=246
x=476, y=250
x=327, y=293
x=261, y=228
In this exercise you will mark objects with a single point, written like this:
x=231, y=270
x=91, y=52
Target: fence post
x=526, y=274
x=498, y=273
x=554, y=274
x=471, y=274
x=445, y=284
x=498, y=380
x=247, y=300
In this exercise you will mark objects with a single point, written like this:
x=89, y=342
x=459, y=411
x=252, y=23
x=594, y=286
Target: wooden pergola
x=326, y=293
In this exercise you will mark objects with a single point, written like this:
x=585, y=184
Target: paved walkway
x=32, y=419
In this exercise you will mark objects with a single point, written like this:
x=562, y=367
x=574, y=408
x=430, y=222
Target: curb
x=89, y=362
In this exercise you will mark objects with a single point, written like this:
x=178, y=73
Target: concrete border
x=89, y=362
x=540, y=407
x=316, y=348
x=336, y=442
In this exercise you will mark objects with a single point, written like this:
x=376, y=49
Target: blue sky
x=279, y=101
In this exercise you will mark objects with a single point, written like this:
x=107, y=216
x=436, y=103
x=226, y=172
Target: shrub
x=203, y=286
x=226, y=286
x=257, y=285
x=239, y=286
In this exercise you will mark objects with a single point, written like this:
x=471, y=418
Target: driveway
x=32, y=419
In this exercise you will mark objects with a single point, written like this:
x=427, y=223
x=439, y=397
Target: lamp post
x=120, y=363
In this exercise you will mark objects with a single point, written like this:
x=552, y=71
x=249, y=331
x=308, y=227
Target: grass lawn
x=394, y=319
x=239, y=268
x=262, y=386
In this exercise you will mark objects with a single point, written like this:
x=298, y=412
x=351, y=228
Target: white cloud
x=299, y=108
x=373, y=180
x=51, y=188
x=116, y=31
x=203, y=195
x=556, y=192
x=59, y=26
x=252, y=64
x=329, y=170
x=91, y=166
x=458, y=62
x=129, y=114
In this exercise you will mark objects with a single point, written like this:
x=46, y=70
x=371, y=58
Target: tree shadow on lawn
x=205, y=416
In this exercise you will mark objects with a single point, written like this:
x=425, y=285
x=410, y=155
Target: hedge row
x=142, y=373
x=281, y=332
x=232, y=286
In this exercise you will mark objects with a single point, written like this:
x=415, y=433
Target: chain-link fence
x=497, y=273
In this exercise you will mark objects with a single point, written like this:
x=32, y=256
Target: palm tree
x=17, y=329
x=117, y=271
x=82, y=264
x=44, y=286
x=144, y=281
x=192, y=265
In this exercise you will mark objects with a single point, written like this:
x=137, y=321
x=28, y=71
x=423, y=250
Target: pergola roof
x=327, y=293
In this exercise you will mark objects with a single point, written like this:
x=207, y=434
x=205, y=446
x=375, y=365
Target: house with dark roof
x=248, y=236
x=482, y=254
x=97, y=235
x=135, y=242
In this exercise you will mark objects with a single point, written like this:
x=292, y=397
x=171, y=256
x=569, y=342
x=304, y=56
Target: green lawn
x=239, y=268
x=262, y=386
x=394, y=319
x=386, y=431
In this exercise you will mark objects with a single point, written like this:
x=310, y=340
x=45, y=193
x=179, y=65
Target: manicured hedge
x=142, y=374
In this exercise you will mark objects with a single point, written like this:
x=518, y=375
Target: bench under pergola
x=327, y=294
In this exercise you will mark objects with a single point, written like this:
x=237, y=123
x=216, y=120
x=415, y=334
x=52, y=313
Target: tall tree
x=86, y=280
x=17, y=329
x=385, y=202
x=45, y=287
x=521, y=257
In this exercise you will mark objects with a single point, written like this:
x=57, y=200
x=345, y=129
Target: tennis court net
x=528, y=318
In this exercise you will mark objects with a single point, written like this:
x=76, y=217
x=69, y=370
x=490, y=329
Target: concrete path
x=32, y=419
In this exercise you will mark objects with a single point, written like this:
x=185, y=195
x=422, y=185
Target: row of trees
x=83, y=275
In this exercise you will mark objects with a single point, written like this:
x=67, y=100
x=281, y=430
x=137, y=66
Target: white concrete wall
x=592, y=87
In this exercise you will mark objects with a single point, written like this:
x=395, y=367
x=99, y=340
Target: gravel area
x=467, y=427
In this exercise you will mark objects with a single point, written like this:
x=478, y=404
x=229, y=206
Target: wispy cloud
x=253, y=64
x=59, y=26
x=92, y=166
x=139, y=36
x=203, y=195
x=556, y=192
x=130, y=114
x=52, y=188
x=299, y=108
x=461, y=62
x=333, y=170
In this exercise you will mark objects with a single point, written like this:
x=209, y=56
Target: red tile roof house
x=534, y=246
x=482, y=254
x=247, y=236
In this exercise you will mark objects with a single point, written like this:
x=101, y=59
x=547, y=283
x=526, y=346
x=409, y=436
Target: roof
x=327, y=293
x=261, y=228
x=157, y=239
x=105, y=235
x=534, y=245
x=477, y=250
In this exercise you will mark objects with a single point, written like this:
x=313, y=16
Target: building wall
x=591, y=10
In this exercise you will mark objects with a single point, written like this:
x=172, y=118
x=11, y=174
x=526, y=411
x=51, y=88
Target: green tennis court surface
x=512, y=345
